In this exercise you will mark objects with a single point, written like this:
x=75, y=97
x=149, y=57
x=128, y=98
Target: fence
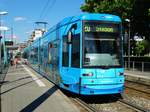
x=138, y=66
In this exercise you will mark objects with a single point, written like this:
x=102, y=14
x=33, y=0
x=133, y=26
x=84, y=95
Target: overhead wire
x=47, y=8
x=44, y=9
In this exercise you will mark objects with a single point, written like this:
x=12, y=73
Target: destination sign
x=109, y=28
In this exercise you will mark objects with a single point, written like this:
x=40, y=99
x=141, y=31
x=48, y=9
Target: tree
x=141, y=46
x=138, y=11
x=122, y=8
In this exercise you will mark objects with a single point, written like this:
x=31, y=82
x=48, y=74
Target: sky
x=22, y=14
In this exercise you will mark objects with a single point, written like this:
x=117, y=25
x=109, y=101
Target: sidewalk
x=138, y=73
x=137, y=76
x=24, y=90
x=2, y=75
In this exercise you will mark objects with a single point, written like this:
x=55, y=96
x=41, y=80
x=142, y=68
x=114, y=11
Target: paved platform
x=137, y=76
x=24, y=90
x=3, y=73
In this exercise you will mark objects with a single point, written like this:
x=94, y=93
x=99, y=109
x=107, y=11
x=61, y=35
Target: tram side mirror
x=74, y=26
x=70, y=33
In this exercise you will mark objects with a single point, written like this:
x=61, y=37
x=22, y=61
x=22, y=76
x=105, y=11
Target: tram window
x=65, y=56
x=50, y=46
x=41, y=49
x=36, y=54
x=75, y=61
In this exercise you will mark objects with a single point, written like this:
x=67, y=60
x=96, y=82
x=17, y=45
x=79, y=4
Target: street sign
x=9, y=43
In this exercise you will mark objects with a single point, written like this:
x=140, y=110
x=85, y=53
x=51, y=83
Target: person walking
x=16, y=61
x=11, y=61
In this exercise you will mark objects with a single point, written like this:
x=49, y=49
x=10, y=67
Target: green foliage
x=18, y=53
x=142, y=47
x=139, y=48
x=149, y=12
x=122, y=8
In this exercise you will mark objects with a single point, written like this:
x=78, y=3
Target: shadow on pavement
x=33, y=105
x=8, y=82
x=20, y=86
x=3, y=74
x=15, y=70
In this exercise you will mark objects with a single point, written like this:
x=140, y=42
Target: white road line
x=34, y=77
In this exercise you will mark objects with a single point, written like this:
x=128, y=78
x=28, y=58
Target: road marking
x=34, y=77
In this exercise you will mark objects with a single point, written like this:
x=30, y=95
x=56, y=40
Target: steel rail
x=136, y=82
x=137, y=90
x=85, y=105
x=136, y=107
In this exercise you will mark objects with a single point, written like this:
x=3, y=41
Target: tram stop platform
x=24, y=90
x=138, y=76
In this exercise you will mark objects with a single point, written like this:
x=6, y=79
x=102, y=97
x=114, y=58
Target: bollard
x=142, y=66
x=133, y=65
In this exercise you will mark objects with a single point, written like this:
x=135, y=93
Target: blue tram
x=82, y=54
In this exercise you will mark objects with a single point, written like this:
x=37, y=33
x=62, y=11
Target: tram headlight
x=121, y=73
x=87, y=74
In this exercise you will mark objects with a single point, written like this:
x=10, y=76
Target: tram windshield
x=102, y=45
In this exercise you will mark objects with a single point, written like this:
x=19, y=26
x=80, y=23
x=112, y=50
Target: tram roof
x=86, y=16
x=92, y=16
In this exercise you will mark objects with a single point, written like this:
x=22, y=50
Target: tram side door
x=66, y=58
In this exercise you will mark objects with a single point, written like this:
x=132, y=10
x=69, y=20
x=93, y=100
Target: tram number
x=87, y=28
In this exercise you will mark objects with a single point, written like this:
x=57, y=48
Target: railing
x=138, y=66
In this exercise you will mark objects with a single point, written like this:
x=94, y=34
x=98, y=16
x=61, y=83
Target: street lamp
x=129, y=25
x=1, y=14
x=42, y=23
x=5, y=50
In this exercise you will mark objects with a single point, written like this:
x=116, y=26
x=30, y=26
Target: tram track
x=138, y=94
x=133, y=106
x=141, y=91
x=85, y=105
x=112, y=103
x=137, y=90
x=124, y=106
x=142, y=88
